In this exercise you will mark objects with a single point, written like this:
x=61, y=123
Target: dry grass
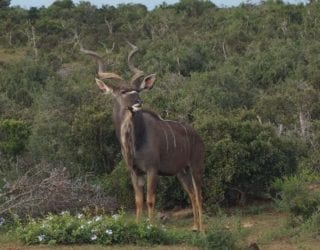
x=259, y=229
x=11, y=55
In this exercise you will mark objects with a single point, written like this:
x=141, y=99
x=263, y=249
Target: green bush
x=313, y=224
x=298, y=196
x=217, y=237
x=107, y=230
x=13, y=136
x=243, y=157
x=93, y=137
x=170, y=193
x=118, y=184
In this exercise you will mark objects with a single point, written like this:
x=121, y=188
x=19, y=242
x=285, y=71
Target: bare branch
x=51, y=190
x=109, y=25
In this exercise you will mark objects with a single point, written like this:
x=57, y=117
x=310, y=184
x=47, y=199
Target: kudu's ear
x=103, y=87
x=147, y=82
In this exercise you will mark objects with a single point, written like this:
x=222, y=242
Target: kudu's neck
x=119, y=115
x=122, y=119
x=130, y=127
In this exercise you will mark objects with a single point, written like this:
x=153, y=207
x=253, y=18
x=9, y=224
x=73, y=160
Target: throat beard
x=127, y=138
x=135, y=108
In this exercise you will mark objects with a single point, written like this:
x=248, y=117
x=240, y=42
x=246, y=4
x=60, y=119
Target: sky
x=149, y=3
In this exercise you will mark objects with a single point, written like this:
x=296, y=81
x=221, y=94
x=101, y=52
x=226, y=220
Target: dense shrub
x=312, y=226
x=243, y=157
x=212, y=64
x=217, y=237
x=118, y=184
x=94, y=139
x=108, y=230
x=299, y=195
x=21, y=80
x=13, y=136
x=170, y=193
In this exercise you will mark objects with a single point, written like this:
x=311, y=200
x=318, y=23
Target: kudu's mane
x=140, y=133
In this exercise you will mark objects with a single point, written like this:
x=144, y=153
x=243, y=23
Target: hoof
x=195, y=229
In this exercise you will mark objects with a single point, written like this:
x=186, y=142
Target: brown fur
x=150, y=145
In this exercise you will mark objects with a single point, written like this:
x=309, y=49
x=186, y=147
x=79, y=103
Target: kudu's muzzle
x=137, y=106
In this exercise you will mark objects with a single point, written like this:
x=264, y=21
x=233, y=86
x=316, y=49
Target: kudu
x=150, y=145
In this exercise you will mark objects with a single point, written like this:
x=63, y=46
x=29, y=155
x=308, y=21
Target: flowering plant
x=70, y=229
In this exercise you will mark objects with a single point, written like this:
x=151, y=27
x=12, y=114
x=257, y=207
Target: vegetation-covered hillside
x=247, y=78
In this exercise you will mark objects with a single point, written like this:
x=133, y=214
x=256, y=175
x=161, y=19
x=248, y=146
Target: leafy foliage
x=246, y=77
x=13, y=136
x=218, y=237
x=243, y=157
x=299, y=195
x=106, y=230
x=119, y=179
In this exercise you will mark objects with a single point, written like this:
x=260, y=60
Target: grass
x=14, y=246
x=11, y=55
x=264, y=225
x=260, y=224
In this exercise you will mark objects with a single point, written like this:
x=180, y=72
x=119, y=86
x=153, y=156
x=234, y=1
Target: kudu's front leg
x=152, y=181
x=137, y=182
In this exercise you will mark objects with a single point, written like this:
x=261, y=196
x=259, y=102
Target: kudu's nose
x=139, y=102
x=136, y=106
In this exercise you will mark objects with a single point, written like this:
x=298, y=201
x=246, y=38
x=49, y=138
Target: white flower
x=82, y=226
x=79, y=216
x=41, y=237
x=50, y=217
x=115, y=216
x=98, y=218
x=64, y=212
x=89, y=222
x=94, y=237
x=2, y=220
x=109, y=232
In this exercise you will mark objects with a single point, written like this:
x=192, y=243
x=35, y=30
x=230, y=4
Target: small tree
x=13, y=136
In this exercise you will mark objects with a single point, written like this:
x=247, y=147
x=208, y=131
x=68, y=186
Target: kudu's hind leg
x=198, y=196
x=137, y=182
x=186, y=181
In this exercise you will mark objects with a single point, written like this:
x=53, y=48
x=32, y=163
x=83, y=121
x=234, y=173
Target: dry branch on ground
x=42, y=190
